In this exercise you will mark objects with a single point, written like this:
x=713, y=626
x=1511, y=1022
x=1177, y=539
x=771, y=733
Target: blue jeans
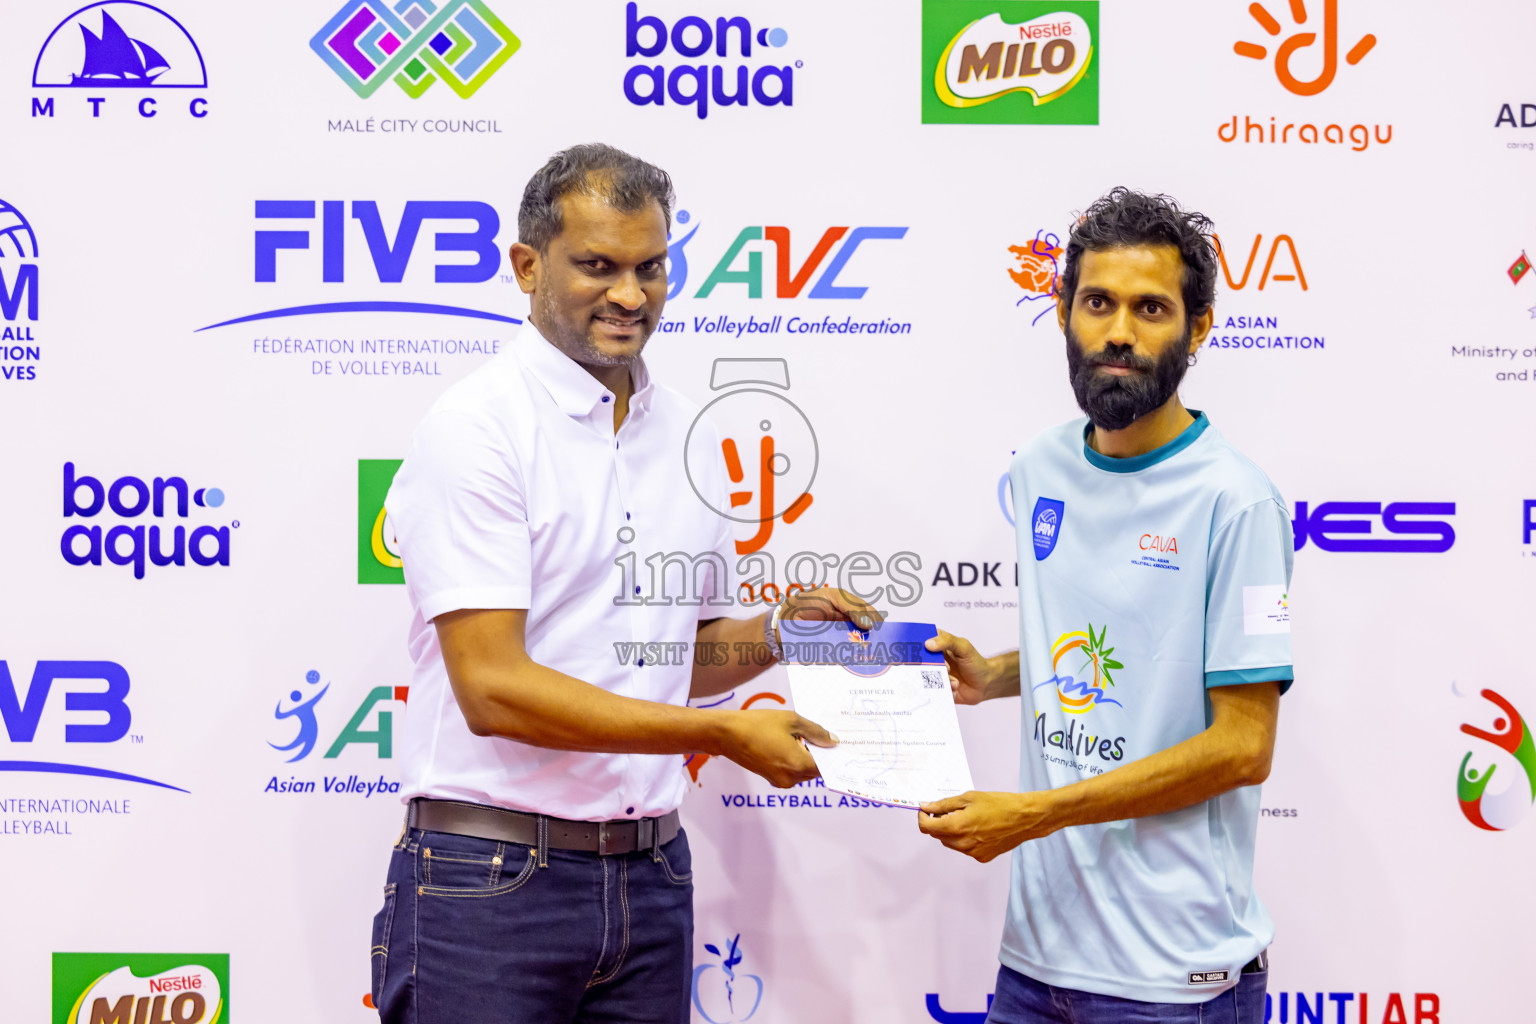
x=473, y=931
x=1023, y=1000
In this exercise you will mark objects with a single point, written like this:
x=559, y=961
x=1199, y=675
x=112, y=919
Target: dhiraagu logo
x=1089, y=670
x=1010, y=62
x=119, y=988
x=378, y=556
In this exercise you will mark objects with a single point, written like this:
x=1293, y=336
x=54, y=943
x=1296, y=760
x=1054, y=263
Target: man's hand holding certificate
x=887, y=699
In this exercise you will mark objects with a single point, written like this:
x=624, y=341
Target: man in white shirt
x=542, y=875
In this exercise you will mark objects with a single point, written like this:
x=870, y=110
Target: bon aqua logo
x=415, y=43
x=1507, y=807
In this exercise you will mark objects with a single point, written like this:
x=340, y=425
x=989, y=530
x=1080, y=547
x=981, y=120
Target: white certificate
x=886, y=697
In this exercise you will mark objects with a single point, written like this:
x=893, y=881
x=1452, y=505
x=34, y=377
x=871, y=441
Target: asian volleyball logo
x=1087, y=656
x=1505, y=808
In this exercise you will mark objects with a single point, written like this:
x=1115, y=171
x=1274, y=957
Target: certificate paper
x=886, y=697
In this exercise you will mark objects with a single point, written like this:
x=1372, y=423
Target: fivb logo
x=390, y=258
x=1010, y=62
x=460, y=41
x=84, y=697
x=790, y=282
x=131, y=497
x=18, y=295
x=693, y=37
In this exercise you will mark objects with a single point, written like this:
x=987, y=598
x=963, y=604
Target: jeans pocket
x=382, y=921
x=676, y=860
x=463, y=866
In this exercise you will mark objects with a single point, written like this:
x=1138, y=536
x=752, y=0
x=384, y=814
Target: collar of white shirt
x=577, y=393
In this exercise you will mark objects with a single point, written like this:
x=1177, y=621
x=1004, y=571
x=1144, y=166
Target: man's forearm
x=539, y=706
x=1201, y=767
x=728, y=653
x=1004, y=681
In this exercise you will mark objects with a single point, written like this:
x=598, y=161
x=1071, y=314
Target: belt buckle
x=603, y=836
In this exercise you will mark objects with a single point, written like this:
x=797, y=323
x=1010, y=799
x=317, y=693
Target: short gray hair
x=626, y=182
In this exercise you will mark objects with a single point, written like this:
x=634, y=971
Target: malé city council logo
x=1010, y=62
x=417, y=42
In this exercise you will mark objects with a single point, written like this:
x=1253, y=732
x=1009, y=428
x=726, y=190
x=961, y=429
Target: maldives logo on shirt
x=1079, y=695
x=1048, y=513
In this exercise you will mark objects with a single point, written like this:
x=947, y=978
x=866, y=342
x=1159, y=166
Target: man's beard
x=576, y=341
x=1114, y=402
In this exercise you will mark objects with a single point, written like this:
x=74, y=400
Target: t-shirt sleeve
x=457, y=507
x=1247, y=606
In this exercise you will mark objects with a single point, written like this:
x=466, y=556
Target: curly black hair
x=1124, y=217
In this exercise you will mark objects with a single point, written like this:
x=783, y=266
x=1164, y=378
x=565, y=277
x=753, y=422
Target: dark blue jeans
x=479, y=932
x=1023, y=1000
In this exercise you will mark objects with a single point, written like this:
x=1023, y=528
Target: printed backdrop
x=242, y=249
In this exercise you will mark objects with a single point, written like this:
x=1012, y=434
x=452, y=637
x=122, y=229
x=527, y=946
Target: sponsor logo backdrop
x=240, y=255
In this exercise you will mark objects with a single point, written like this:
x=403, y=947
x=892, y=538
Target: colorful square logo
x=415, y=43
x=1010, y=62
x=378, y=555
x=188, y=988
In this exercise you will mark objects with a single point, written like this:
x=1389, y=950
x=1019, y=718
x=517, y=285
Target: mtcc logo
x=764, y=432
x=722, y=994
x=693, y=37
x=299, y=705
x=121, y=45
x=1505, y=808
x=417, y=42
x=131, y=497
x=1301, y=40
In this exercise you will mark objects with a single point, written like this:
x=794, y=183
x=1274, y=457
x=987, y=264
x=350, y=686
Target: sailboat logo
x=120, y=44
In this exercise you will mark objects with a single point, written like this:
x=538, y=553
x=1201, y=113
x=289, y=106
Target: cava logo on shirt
x=1010, y=62
x=1088, y=653
x=1047, y=526
x=1507, y=807
x=108, y=988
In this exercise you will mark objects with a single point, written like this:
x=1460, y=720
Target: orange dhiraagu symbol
x=766, y=471
x=1301, y=39
x=696, y=761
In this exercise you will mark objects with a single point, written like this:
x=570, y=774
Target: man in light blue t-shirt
x=1154, y=561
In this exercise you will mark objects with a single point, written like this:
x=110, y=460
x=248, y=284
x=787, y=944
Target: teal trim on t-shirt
x=1285, y=675
x=1136, y=463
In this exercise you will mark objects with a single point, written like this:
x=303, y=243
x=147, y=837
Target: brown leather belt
x=625, y=835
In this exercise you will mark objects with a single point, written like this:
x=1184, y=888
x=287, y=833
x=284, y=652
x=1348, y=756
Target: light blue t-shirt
x=1142, y=581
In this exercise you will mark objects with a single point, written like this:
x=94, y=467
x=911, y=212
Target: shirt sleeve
x=719, y=589
x=458, y=510
x=1247, y=606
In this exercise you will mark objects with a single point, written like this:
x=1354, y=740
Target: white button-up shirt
x=518, y=493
